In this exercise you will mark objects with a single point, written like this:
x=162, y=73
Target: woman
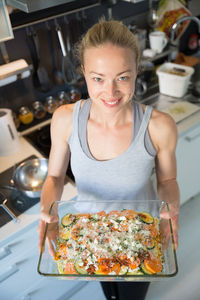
x=112, y=141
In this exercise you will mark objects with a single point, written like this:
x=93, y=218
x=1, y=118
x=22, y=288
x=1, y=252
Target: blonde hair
x=114, y=32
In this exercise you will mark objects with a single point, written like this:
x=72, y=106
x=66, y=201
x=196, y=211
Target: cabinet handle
x=9, y=272
x=191, y=138
x=4, y=251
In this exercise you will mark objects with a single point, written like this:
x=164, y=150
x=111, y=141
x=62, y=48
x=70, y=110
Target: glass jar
x=25, y=115
x=50, y=104
x=74, y=95
x=63, y=98
x=38, y=110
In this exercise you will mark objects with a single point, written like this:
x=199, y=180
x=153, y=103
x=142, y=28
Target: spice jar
x=63, y=98
x=74, y=95
x=38, y=110
x=25, y=115
x=50, y=104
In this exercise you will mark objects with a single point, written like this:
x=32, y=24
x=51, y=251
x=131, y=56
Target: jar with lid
x=63, y=98
x=74, y=95
x=50, y=104
x=25, y=115
x=38, y=110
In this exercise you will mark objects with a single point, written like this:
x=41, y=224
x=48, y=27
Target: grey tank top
x=126, y=177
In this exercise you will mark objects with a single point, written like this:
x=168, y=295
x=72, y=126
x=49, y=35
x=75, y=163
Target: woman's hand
x=165, y=215
x=52, y=232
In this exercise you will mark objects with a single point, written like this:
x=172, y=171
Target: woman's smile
x=111, y=103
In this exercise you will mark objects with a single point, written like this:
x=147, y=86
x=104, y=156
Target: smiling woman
x=112, y=142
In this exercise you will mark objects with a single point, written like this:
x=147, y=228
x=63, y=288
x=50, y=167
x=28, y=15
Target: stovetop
x=17, y=202
x=41, y=140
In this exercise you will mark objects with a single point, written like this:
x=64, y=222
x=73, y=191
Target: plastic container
x=176, y=83
x=47, y=266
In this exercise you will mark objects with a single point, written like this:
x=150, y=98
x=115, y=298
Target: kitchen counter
x=32, y=214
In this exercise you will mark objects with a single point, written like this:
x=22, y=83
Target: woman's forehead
x=108, y=55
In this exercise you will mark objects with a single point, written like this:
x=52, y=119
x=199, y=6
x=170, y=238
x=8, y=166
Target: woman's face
x=110, y=73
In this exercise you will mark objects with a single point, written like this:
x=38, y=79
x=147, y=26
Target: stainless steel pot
x=29, y=177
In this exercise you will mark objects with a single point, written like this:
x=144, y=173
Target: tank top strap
x=144, y=123
x=75, y=120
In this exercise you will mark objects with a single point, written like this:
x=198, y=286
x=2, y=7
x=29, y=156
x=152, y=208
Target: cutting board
x=181, y=110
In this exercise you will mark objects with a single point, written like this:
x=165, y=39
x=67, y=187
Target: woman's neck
x=122, y=116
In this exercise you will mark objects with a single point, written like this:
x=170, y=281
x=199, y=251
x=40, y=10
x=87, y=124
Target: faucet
x=173, y=28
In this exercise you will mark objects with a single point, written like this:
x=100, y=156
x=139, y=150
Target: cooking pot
x=29, y=177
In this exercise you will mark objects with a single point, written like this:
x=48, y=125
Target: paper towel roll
x=9, y=138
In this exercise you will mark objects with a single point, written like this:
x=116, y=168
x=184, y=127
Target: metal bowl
x=30, y=175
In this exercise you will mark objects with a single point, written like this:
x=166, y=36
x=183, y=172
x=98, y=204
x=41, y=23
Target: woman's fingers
x=48, y=218
x=50, y=247
x=45, y=218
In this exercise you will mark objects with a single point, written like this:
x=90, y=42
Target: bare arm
x=166, y=171
x=58, y=162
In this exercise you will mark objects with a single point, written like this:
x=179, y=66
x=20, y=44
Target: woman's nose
x=111, y=88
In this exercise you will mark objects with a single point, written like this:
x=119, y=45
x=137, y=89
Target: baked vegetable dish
x=116, y=243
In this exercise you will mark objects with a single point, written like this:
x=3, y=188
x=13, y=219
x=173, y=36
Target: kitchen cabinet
x=188, y=162
x=18, y=272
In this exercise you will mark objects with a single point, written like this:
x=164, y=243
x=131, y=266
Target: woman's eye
x=123, y=78
x=97, y=79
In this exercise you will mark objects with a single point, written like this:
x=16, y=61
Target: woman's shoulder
x=162, y=128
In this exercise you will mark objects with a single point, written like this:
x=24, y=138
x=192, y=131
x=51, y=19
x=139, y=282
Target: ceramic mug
x=158, y=41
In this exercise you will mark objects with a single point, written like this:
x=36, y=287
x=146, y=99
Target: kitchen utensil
x=70, y=53
x=69, y=74
x=48, y=266
x=9, y=139
x=29, y=177
x=40, y=75
x=56, y=74
x=3, y=202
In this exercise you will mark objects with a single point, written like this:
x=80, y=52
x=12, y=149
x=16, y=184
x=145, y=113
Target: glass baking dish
x=47, y=266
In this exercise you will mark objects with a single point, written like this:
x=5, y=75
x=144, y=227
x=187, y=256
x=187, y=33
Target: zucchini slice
x=146, y=217
x=135, y=272
x=123, y=270
x=67, y=220
x=60, y=267
x=80, y=268
x=144, y=270
x=66, y=234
